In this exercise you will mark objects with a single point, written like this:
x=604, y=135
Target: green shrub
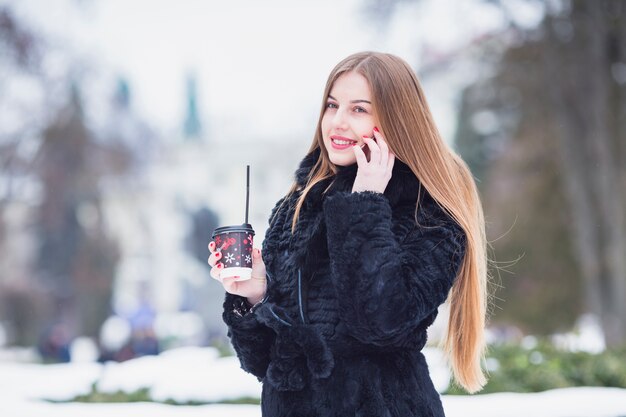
x=95, y=396
x=513, y=368
x=143, y=395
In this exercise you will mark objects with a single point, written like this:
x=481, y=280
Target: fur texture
x=350, y=296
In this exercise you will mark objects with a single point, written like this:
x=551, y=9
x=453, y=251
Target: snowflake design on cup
x=229, y=258
x=248, y=258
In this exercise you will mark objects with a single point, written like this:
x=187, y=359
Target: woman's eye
x=331, y=106
x=360, y=110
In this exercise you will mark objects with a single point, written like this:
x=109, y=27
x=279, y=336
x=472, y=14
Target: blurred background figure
x=143, y=338
x=54, y=343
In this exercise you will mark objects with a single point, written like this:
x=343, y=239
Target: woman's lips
x=341, y=143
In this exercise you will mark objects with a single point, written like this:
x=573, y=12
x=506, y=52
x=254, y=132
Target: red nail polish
x=376, y=129
x=365, y=136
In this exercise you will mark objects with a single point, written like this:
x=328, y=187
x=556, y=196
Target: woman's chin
x=342, y=160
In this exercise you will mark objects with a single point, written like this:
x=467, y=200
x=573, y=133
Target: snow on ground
x=54, y=382
x=33, y=409
x=565, y=402
x=198, y=374
x=184, y=374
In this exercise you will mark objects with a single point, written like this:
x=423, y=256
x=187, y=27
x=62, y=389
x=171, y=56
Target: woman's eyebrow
x=352, y=101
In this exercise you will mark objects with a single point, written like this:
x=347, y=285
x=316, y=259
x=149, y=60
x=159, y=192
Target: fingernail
x=211, y=245
x=376, y=129
x=365, y=137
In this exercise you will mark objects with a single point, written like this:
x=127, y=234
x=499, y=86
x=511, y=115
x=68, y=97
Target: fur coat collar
x=402, y=188
x=307, y=246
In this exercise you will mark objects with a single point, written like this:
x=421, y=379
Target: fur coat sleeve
x=389, y=273
x=251, y=339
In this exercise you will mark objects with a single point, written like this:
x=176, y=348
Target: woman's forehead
x=351, y=85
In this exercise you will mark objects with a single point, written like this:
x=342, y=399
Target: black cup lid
x=245, y=228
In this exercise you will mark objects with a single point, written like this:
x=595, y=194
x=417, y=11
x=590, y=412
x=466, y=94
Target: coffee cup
x=235, y=245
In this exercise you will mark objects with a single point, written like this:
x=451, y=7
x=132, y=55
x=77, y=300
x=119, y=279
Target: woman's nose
x=340, y=121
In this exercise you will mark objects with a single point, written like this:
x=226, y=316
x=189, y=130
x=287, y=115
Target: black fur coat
x=350, y=295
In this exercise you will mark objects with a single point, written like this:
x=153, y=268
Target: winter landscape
x=199, y=375
x=125, y=129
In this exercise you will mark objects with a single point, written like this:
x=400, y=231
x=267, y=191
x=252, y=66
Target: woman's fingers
x=216, y=268
x=390, y=162
x=254, y=287
x=378, y=149
x=361, y=159
x=216, y=271
x=231, y=284
x=215, y=274
x=374, y=150
x=387, y=158
x=214, y=257
x=375, y=174
x=384, y=148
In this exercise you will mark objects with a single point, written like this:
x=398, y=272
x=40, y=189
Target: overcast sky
x=260, y=65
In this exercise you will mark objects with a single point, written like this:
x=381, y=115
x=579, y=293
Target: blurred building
x=196, y=172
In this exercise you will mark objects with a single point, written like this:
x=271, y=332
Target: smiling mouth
x=339, y=140
x=343, y=142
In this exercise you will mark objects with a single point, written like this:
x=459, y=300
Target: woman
x=382, y=224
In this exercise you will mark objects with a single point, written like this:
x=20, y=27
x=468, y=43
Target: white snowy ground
x=198, y=374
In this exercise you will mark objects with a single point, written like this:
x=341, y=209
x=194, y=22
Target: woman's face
x=347, y=118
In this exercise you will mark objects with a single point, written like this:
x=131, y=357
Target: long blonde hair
x=405, y=121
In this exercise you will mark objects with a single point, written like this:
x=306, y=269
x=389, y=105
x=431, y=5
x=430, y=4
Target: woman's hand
x=253, y=289
x=373, y=175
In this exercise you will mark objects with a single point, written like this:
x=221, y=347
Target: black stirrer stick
x=247, y=190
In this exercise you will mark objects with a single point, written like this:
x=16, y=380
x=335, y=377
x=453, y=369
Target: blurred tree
x=17, y=44
x=523, y=197
x=54, y=174
x=19, y=51
x=382, y=11
x=76, y=260
x=52, y=169
x=22, y=305
x=203, y=221
x=569, y=160
x=584, y=76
